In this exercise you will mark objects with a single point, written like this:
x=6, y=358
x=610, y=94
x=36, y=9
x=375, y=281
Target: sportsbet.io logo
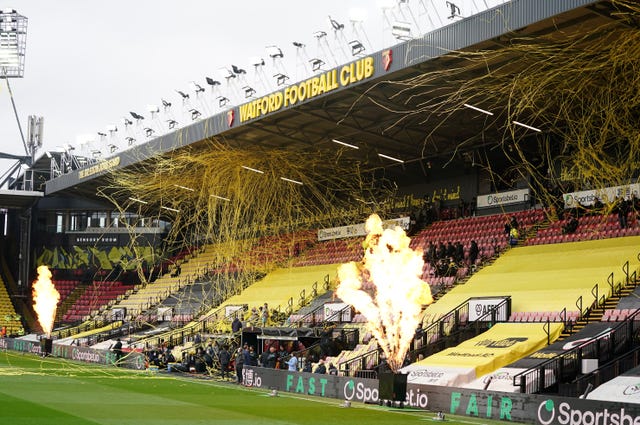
x=565, y=415
x=546, y=412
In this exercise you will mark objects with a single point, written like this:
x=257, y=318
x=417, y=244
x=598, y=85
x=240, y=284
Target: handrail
x=606, y=372
x=569, y=361
x=594, y=292
x=625, y=270
x=579, y=305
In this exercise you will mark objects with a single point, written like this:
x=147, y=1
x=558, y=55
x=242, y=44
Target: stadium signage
x=472, y=406
x=564, y=414
x=359, y=229
x=503, y=198
x=608, y=194
x=524, y=408
x=105, y=165
x=133, y=360
x=308, y=89
x=478, y=307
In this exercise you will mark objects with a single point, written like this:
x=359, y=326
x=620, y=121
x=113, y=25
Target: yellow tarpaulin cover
x=501, y=345
x=547, y=277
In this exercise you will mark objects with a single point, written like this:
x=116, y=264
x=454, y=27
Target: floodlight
x=222, y=100
x=356, y=47
x=166, y=104
x=455, y=10
x=184, y=95
x=96, y=153
x=337, y=26
x=401, y=30
x=126, y=121
x=281, y=79
x=298, y=44
x=136, y=116
x=172, y=124
x=227, y=74
x=112, y=128
x=112, y=148
x=153, y=109
x=197, y=87
x=148, y=131
x=195, y=114
x=274, y=52
x=130, y=140
x=316, y=64
x=319, y=34
x=238, y=71
x=256, y=61
x=248, y=91
x=13, y=41
x=212, y=82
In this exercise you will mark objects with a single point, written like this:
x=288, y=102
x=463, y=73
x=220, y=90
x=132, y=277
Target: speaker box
x=392, y=386
x=46, y=344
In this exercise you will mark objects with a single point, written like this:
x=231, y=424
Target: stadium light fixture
x=126, y=121
x=166, y=105
x=381, y=155
x=112, y=148
x=182, y=94
x=475, y=108
x=298, y=44
x=169, y=209
x=401, y=30
x=220, y=197
x=148, y=131
x=136, y=116
x=195, y=114
x=455, y=10
x=248, y=91
x=172, y=124
x=319, y=34
x=291, y=181
x=238, y=71
x=316, y=64
x=252, y=169
x=130, y=140
x=274, y=52
x=337, y=26
x=212, y=82
x=153, y=110
x=356, y=47
x=281, y=79
x=527, y=126
x=222, y=101
x=197, y=88
x=257, y=61
x=345, y=144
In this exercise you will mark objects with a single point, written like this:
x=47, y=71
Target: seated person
x=571, y=226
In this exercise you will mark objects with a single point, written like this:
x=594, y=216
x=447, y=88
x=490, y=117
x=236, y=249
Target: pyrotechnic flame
x=45, y=299
x=387, y=289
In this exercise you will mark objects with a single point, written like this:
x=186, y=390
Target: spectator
x=253, y=356
x=224, y=357
x=307, y=364
x=514, y=223
x=117, y=350
x=332, y=369
x=473, y=253
x=236, y=325
x=513, y=236
x=321, y=368
x=571, y=226
x=239, y=362
x=623, y=212
x=292, y=363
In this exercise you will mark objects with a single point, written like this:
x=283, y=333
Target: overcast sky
x=88, y=62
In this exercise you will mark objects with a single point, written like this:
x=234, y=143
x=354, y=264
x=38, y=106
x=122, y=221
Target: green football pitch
x=55, y=391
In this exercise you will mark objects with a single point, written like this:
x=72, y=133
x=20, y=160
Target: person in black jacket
x=224, y=357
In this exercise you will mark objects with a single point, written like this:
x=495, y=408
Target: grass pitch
x=56, y=391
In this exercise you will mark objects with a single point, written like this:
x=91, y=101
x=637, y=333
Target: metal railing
x=567, y=366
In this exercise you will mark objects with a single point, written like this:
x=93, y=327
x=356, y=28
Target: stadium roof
x=366, y=110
